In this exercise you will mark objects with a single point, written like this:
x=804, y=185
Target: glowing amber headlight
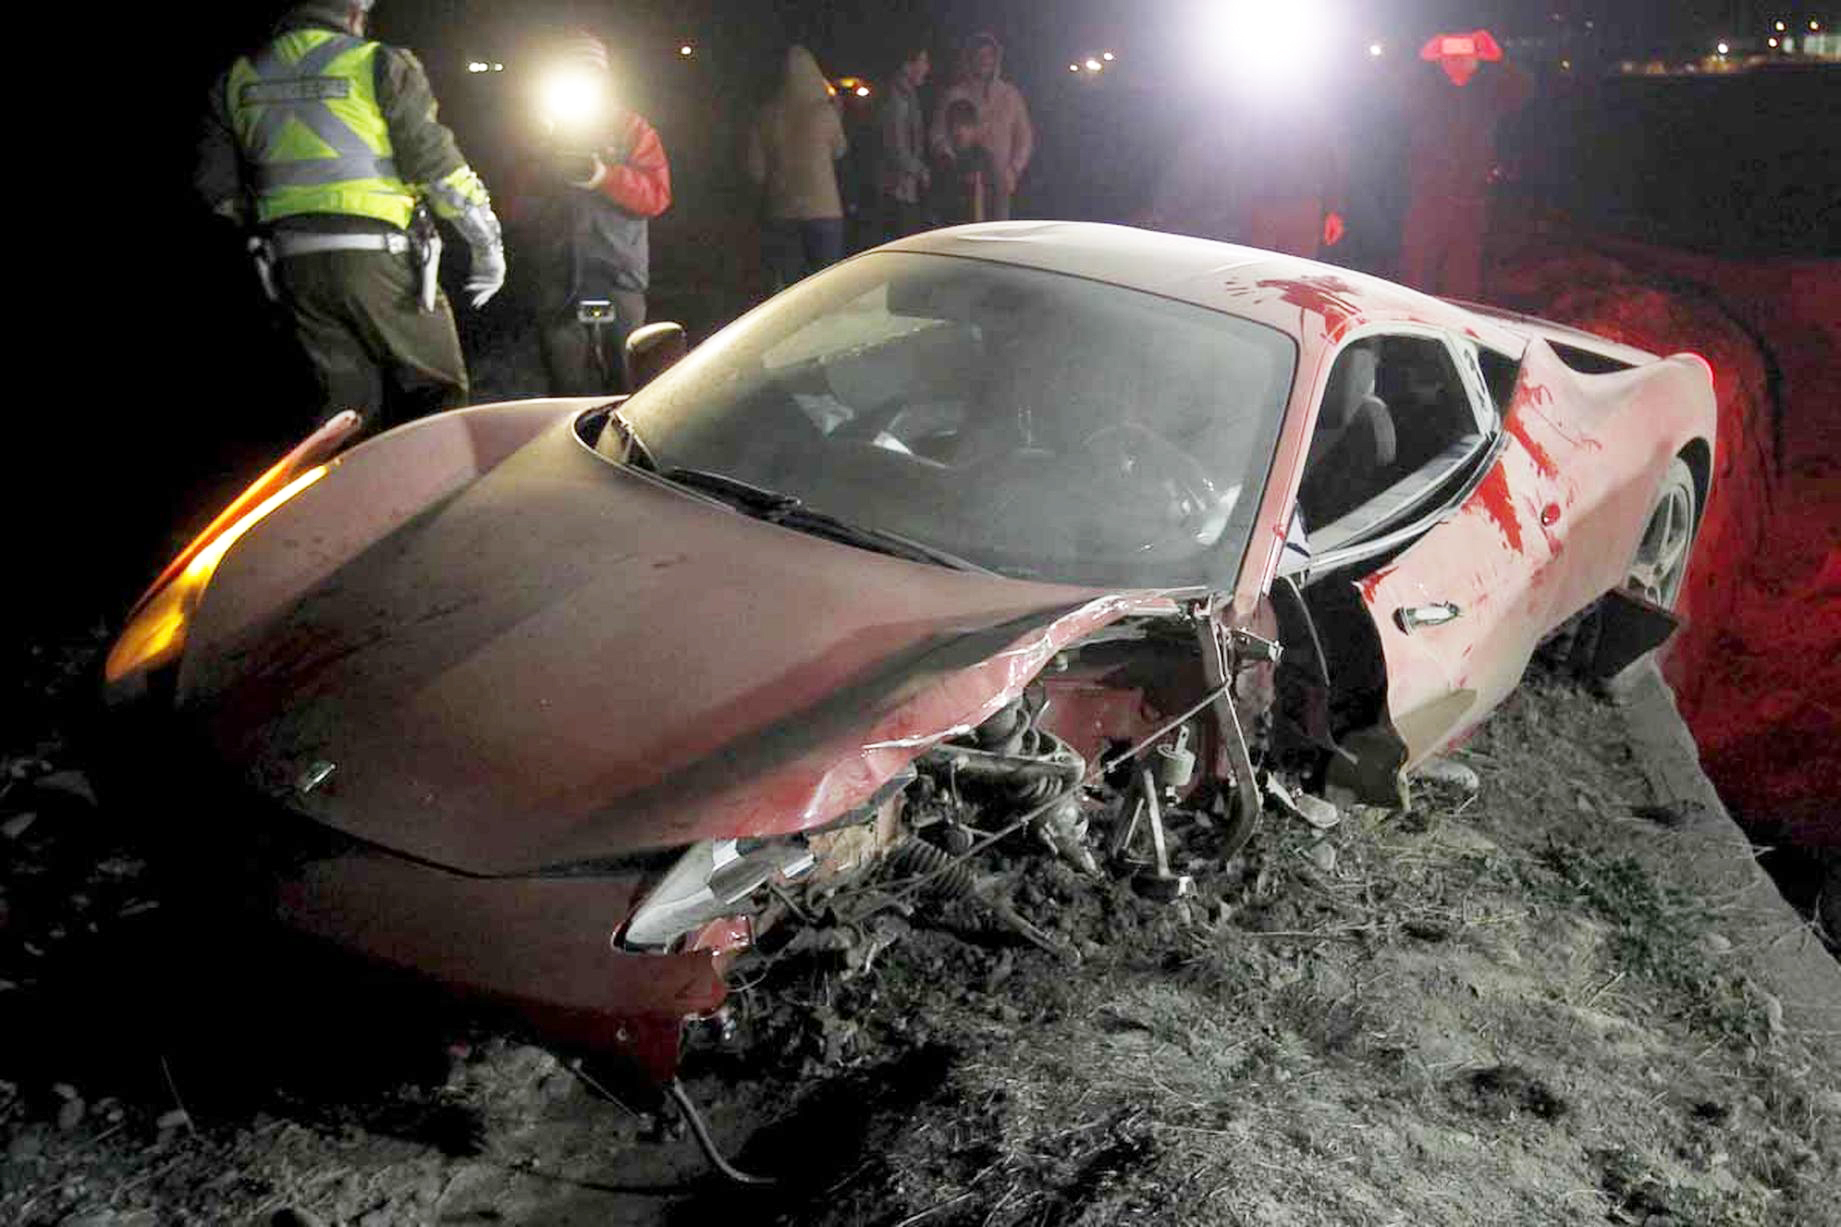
x=155, y=633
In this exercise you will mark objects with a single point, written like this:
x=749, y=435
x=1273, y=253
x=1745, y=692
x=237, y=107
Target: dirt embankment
x=1495, y=1008
x=1759, y=664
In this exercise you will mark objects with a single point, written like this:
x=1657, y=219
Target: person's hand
x=1333, y=229
x=487, y=274
x=579, y=169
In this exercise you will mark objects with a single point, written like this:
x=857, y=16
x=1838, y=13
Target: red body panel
x=1554, y=525
x=565, y=660
x=550, y=955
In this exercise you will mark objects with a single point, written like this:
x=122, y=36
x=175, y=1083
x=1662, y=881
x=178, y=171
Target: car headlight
x=711, y=880
x=156, y=628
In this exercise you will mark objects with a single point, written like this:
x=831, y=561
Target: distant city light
x=1724, y=48
x=1109, y=57
x=477, y=66
x=1779, y=26
x=1566, y=65
x=1094, y=65
x=1772, y=42
x=1073, y=67
x=1814, y=24
x=1376, y=50
x=498, y=68
x=686, y=50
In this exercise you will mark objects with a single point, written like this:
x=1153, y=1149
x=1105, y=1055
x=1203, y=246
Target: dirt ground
x=1484, y=1010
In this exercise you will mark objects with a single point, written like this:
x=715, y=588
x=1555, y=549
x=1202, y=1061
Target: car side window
x=1497, y=374
x=1397, y=418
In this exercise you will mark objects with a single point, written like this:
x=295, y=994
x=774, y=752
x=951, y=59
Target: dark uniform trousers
x=582, y=360
x=358, y=317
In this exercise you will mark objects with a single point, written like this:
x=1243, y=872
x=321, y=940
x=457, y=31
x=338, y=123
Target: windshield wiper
x=789, y=511
x=636, y=448
x=732, y=490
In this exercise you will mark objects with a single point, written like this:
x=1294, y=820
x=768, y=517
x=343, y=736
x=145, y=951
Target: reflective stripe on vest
x=306, y=115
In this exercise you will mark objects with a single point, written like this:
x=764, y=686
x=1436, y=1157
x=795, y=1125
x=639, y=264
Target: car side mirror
x=651, y=351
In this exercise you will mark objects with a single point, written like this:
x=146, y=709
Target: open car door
x=1459, y=610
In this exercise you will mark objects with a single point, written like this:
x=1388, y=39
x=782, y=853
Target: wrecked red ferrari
x=1058, y=533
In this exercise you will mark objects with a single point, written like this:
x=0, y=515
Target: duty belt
x=288, y=243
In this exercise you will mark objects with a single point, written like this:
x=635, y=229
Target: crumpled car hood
x=565, y=661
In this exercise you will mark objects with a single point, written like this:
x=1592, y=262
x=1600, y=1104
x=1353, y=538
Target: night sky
x=856, y=32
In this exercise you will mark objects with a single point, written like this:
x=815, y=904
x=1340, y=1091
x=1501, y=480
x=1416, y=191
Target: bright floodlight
x=1109, y=57
x=1375, y=49
x=1780, y=27
x=1094, y=65
x=862, y=91
x=1264, y=46
x=1724, y=48
x=476, y=66
x=573, y=98
x=687, y=50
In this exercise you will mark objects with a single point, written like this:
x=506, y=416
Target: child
x=965, y=187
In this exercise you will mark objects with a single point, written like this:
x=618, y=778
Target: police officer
x=325, y=144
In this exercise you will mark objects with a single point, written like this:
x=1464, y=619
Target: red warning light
x=1459, y=54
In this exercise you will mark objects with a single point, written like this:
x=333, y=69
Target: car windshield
x=1040, y=425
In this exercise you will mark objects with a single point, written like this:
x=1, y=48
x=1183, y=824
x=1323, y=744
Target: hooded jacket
x=1003, y=118
x=794, y=144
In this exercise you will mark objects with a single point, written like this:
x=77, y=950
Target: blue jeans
x=794, y=249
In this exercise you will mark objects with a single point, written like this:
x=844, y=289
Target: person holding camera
x=600, y=175
x=324, y=147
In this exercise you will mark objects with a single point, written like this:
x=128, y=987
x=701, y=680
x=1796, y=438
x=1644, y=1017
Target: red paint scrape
x=1498, y=503
x=1518, y=427
x=1370, y=583
x=1322, y=296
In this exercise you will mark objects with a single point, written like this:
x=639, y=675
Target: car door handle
x=1411, y=617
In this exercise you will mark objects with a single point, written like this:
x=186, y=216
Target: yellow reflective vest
x=307, y=120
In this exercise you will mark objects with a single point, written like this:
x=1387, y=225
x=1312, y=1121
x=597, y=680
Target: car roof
x=1311, y=301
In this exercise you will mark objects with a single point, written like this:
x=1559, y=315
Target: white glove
x=487, y=274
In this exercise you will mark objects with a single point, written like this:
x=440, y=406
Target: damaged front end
x=1115, y=760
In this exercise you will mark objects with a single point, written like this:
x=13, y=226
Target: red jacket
x=640, y=180
x=590, y=238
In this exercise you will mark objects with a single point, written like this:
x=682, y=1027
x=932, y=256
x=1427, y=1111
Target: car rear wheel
x=1661, y=561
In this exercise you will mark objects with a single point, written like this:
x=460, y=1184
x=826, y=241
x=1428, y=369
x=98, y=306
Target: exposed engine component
x=914, y=850
x=944, y=876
